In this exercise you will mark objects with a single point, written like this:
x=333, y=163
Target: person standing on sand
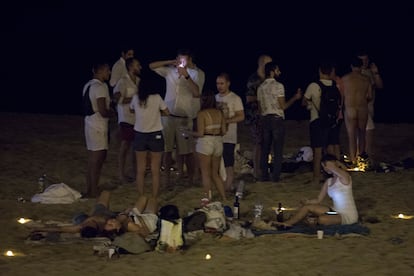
x=148, y=107
x=119, y=69
x=184, y=83
x=357, y=95
x=323, y=139
x=211, y=127
x=96, y=92
x=124, y=90
x=252, y=111
x=232, y=106
x=339, y=189
x=370, y=69
x=272, y=106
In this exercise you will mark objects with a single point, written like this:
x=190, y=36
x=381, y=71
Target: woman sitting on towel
x=141, y=219
x=339, y=189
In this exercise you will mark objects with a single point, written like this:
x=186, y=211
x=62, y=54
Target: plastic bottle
x=236, y=208
x=240, y=188
x=41, y=183
x=258, y=208
x=279, y=213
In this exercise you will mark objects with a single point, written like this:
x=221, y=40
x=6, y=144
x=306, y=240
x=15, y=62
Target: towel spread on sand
x=329, y=230
x=57, y=194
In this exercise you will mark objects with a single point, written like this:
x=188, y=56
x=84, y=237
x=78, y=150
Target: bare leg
x=123, y=153
x=369, y=147
x=141, y=203
x=205, y=168
x=167, y=160
x=317, y=157
x=180, y=163
x=334, y=150
x=315, y=209
x=152, y=205
x=256, y=160
x=362, y=123
x=103, y=198
x=155, y=172
x=229, y=178
x=218, y=181
x=95, y=163
x=141, y=167
x=351, y=128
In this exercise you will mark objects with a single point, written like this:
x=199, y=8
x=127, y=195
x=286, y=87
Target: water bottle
x=41, y=183
x=240, y=188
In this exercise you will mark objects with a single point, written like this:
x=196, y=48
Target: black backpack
x=86, y=103
x=330, y=104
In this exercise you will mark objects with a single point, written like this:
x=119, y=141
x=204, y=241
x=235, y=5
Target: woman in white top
x=148, y=107
x=339, y=189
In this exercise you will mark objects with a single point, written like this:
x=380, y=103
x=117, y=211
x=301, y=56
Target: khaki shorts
x=173, y=137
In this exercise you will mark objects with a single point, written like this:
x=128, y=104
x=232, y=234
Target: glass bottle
x=279, y=213
x=236, y=208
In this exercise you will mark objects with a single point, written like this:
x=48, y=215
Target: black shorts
x=321, y=136
x=151, y=141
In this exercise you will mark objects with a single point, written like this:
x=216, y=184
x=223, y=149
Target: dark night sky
x=52, y=45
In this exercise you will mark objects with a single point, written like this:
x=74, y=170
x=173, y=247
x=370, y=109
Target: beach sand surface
x=33, y=144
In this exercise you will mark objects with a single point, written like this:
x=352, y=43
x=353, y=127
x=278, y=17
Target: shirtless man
x=357, y=95
x=370, y=69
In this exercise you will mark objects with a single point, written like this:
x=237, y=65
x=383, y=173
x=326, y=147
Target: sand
x=32, y=144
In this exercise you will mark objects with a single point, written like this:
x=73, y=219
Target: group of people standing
x=265, y=103
x=200, y=125
x=188, y=120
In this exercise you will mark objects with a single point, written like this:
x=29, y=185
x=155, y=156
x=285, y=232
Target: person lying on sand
x=339, y=188
x=103, y=222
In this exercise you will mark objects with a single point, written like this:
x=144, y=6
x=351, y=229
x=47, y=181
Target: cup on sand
x=320, y=234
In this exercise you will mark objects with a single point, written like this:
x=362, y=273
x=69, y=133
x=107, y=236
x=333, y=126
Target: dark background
x=49, y=46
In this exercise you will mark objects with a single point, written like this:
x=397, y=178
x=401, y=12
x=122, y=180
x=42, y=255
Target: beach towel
x=329, y=230
x=57, y=194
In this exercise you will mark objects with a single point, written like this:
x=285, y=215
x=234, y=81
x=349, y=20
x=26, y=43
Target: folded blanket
x=329, y=230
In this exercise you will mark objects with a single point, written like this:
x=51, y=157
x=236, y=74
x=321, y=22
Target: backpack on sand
x=170, y=225
x=330, y=104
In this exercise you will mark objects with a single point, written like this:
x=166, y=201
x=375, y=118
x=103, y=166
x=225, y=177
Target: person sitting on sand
x=103, y=222
x=339, y=188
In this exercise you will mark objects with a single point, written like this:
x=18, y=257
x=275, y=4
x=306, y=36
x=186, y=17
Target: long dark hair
x=145, y=90
x=208, y=99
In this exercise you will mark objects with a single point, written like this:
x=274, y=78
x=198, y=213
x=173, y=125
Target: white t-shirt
x=118, y=71
x=128, y=88
x=148, y=118
x=97, y=90
x=313, y=94
x=268, y=94
x=178, y=96
x=230, y=103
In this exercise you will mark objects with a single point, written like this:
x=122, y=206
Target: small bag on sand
x=216, y=219
x=170, y=226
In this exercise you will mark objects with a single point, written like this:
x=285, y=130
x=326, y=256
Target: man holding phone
x=184, y=83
